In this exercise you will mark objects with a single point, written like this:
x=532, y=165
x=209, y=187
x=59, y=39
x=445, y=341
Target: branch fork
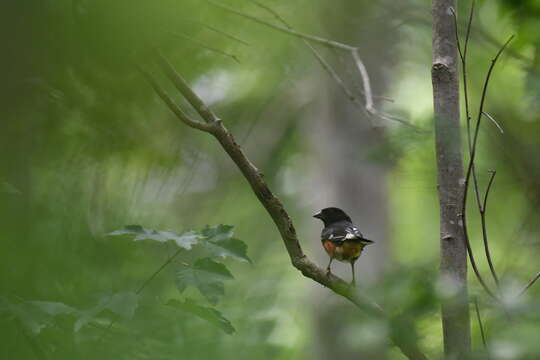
x=213, y=125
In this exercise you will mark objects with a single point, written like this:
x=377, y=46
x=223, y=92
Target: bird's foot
x=353, y=283
x=328, y=272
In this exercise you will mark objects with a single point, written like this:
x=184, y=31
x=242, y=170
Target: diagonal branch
x=204, y=46
x=333, y=74
x=529, y=284
x=275, y=209
x=180, y=114
x=221, y=32
x=480, y=324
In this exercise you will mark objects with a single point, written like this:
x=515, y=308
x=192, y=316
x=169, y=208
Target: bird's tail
x=366, y=241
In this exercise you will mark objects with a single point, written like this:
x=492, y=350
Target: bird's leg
x=353, y=282
x=328, y=267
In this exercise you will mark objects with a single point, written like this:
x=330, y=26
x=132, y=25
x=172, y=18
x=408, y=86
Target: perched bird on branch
x=341, y=238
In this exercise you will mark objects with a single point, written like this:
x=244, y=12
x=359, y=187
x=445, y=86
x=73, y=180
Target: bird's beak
x=318, y=215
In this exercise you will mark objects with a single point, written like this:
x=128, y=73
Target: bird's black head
x=331, y=215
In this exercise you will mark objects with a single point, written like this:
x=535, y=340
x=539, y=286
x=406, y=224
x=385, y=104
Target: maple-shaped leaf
x=207, y=276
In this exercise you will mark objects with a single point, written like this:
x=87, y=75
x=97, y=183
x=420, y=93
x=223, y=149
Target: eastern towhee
x=341, y=238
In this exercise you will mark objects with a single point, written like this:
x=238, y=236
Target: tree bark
x=453, y=267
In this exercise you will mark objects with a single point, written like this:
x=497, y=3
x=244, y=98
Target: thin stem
x=492, y=177
x=483, y=208
x=530, y=283
x=333, y=74
x=471, y=168
x=479, y=318
x=158, y=270
x=493, y=121
x=204, y=46
x=484, y=95
x=317, y=39
x=221, y=32
x=471, y=163
x=368, y=96
x=469, y=23
x=181, y=85
x=143, y=286
x=180, y=114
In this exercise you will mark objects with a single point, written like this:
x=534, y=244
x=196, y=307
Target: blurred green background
x=86, y=148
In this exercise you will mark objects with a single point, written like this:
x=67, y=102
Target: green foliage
x=7, y=188
x=35, y=315
x=121, y=304
x=209, y=314
x=220, y=242
x=184, y=240
x=85, y=147
x=206, y=275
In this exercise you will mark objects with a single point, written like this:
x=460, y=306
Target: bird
x=341, y=238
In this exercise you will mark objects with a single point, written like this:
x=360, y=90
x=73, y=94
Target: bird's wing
x=347, y=232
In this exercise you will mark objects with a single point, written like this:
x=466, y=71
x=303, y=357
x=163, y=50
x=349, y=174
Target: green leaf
x=209, y=314
x=206, y=275
x=54, y=308
x=122, y=304
x=233, y=248
x=220, y=242
x=184, y=240
x=218, y=233
x=6, y=187
x=37, y=315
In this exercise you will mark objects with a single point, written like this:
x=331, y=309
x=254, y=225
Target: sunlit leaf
x=209, y=314
x=220, y=242
x=218, y=232
x=184, y=240
x=232, y=248
x=206, y=275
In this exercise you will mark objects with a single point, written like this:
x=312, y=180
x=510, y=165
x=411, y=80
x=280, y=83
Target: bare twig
x=471, y=169
x=204, y=46
x=529, y=284
x=479, y=318
x=493, y=121
x=221, y=32
x=490, y=182
x=180, y=114
x=276, y=210
x=472, y=159
x=484, y=94
x=158, y=270
x=333, y=74
x=353, y=51
x=316, y=39
x=483, y=208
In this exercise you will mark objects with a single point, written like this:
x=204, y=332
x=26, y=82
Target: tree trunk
x=455, y=311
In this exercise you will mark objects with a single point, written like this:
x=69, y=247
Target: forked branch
x=472, y=143
x=353, y=51
x=214, y=126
